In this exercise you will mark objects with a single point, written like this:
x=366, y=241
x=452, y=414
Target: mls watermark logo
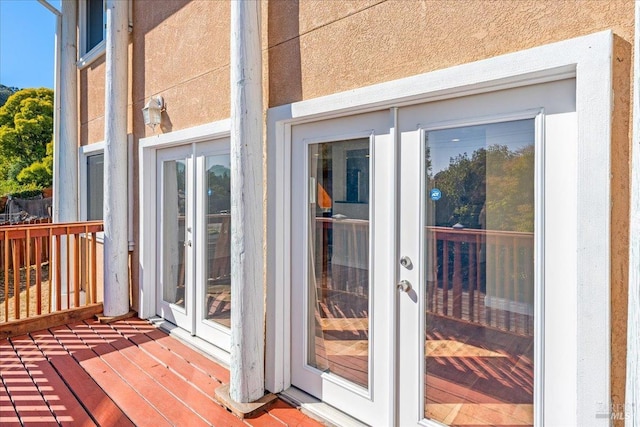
x=614, y=411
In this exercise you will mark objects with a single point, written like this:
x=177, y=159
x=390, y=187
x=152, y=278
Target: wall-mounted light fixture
x=152, y=111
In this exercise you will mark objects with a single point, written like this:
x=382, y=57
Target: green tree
x=39, y=174
x=26, y=127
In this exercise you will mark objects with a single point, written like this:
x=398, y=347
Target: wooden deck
x=122, y=374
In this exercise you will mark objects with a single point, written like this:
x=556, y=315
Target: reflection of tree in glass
x=219, y=189
x=493, y=189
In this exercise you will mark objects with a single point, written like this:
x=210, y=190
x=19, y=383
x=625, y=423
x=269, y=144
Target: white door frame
x=586, y=58
x=147, y=153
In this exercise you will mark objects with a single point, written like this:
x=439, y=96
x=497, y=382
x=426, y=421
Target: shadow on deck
x=125, y=373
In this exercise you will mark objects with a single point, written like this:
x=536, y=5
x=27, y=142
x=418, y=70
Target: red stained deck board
x=8, y=414
x=98, y=403
x=163, y=397
x=198, y=402
x=65, y=407
x=126, y=397
x=92, y=359
x=23, y=392
x=177, y=364
x=190, y=355
x=264, y=420
x=285, y=413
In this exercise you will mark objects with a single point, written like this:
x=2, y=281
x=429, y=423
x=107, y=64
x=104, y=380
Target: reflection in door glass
x=173, y=231
x=338, y=289
x=218, y=231
x=479, y=274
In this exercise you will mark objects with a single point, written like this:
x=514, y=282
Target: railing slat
x=16, y=278
x=56, y=255
x=93, y=268
x=67, y=239
x=76, y=276
x=38, y=244
x=6, y=276
x=27, y=272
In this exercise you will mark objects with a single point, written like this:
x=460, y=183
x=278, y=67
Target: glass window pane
x=174, y=250
x=95, y=187
x=95, y=23
x=218, y=251
x=479, y=274
x=339, y=259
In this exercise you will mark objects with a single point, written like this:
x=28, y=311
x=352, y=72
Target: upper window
x=95, y=24
x=93, y=30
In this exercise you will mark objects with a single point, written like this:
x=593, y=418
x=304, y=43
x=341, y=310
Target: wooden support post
x=116, y=244
x=247, y=302
x=65, y=175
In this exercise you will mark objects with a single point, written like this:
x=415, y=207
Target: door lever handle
x=403, y=286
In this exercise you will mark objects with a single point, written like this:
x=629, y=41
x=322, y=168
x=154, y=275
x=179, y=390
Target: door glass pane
x=218, y=237
x=338, y=304
x=479, y=274
x=174, y=250
x=95, y=186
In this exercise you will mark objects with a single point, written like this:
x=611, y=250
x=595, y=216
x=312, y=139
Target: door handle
x=403, y=286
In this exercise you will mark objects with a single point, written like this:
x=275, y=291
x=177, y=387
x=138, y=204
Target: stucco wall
x=180, y=50
x=91, y=86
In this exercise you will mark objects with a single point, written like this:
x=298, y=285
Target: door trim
x=147, y=154
x=588, y=59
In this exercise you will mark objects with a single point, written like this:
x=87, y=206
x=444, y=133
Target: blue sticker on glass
x=435, y=194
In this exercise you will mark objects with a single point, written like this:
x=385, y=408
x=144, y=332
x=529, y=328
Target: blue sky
x=27, y=43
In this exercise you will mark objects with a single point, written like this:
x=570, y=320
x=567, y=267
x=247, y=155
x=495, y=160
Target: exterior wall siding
x=180, y=50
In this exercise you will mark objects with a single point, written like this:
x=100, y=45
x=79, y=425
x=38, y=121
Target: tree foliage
x=491, y=189
x=26, y=128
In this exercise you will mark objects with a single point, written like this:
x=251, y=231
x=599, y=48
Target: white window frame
x=588, y=59
x=87, y=57
x=89, y=150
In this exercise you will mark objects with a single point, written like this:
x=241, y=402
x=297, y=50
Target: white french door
x=430, y=249
x=342, y=301
x=194, y=225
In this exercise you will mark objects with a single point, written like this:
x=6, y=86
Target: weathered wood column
x=116, y=262
x=247, y=289
x=65, y=182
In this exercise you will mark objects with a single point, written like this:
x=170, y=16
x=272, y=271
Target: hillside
x=5, y=93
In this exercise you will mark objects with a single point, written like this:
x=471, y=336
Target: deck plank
x=101, y=407
x=123, y=374
x=126, y=397
x=23, y=392
x=65, y=407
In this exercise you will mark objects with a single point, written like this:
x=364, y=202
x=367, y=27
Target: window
x=95, y=190
x=93, y=31
x=95, y=24
x=91, y=183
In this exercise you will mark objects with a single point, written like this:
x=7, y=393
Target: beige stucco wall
x=180, y=49
x=91, y=94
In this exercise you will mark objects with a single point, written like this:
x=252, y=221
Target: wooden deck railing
x=46, y=268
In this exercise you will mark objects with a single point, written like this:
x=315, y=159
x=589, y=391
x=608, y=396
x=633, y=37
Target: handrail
x=61, y=256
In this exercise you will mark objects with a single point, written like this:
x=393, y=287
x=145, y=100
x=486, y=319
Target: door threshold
x=318, y=409
x=214, y=352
